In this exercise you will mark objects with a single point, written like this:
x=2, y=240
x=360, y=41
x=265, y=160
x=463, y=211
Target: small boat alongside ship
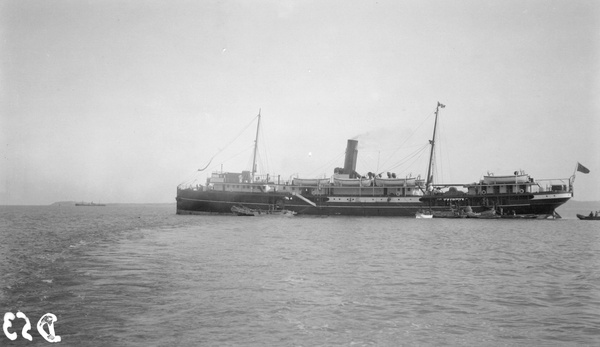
x=424, y=215
x=591, y=216
x=349, y=193
x=241, y=210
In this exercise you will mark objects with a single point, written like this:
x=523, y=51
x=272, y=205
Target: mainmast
x=432, y=142
x=255, y=147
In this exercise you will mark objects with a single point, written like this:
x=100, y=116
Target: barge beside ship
x=348, y=193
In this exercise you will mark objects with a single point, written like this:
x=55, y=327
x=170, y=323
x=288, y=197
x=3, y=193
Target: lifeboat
x=395, y=182
x=514, y=179
x=311, y=182
x=352, y=182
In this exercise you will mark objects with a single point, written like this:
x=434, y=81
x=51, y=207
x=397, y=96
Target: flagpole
x=579, y=168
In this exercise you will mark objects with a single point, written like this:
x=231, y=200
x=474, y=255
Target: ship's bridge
x=241, y=182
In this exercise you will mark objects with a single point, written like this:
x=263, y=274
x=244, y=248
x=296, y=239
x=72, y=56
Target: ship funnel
x=351, y=154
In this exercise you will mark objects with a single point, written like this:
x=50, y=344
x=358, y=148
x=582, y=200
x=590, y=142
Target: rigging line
x=190, y=178
x=237, y=154
x=419, y=157
x=408, y=138
x=261, y=164
x=409, y=164
x=210, y=161
x=439, y=157
x=415, y=157
x=263, y=143
x=228, y=144
x=262, y=157
x=368, y=150
x=381, y=169
x=409, y=157
x=188, y=181
x=447, y=159
x=328, y=164
x=252, y=159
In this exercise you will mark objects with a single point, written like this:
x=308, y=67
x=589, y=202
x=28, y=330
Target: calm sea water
x=139, y=275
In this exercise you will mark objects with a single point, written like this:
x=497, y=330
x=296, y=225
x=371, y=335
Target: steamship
x=348, y=193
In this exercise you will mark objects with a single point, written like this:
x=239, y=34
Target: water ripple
x=140, y=275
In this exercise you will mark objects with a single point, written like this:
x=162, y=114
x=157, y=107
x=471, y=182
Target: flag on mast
x=582, y=168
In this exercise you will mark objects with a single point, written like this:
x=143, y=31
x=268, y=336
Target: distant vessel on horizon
x=88, y=204
x=349, y=193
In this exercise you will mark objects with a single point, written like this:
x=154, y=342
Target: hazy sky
x=121, y=101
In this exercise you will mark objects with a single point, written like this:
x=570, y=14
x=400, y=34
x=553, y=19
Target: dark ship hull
x=347, y=193
x=201, y=202
x=190, y=201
